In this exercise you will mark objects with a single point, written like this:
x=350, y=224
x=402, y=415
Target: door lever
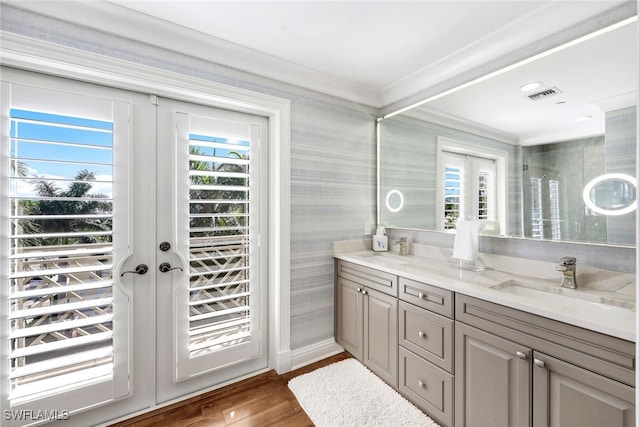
x=166, y=267
x=140, y=269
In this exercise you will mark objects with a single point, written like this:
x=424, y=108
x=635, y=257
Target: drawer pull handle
x=421, y=384
x=539, y=363
x=421, y=334
x=521, y=355
x=420, y=295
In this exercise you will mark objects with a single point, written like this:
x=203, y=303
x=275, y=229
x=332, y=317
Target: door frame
x=52, y=59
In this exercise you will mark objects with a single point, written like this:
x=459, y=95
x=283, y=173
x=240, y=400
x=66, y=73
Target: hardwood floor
x=259, y=401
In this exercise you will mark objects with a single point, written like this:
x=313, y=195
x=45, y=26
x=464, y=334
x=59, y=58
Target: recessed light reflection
x=530, y=86
x=583, y=118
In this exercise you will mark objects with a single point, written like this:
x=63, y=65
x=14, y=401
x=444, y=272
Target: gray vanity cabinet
x=367, y=318
x=493, y=380
x=469, y=362
x=565, y=395
x=518, y=369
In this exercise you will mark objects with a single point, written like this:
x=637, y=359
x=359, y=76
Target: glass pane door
x=68, y=325
x=210, y=197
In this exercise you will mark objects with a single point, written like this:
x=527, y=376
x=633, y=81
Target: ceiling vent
x=544, y=94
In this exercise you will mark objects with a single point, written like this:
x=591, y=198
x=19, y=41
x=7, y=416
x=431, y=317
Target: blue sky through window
x=241, y=147
x=452, y=181
x=56, y=146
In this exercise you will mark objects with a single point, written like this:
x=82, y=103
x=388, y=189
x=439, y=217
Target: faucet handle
x=567, y=260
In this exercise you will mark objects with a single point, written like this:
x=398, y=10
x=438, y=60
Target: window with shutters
x=220, y=302
x=59, y=247
x=219, y=243
x=61, y=250
x=472, y=184
x=453, y=196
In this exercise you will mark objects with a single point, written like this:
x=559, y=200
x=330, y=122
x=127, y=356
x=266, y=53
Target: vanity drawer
x=427, y=386
x=426, y=296
x=374, y=279
x=427, y=334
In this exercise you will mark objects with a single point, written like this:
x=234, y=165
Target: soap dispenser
x=380, y=240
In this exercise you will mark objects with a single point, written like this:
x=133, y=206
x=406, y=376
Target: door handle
x=140, y=269
x=166, y=267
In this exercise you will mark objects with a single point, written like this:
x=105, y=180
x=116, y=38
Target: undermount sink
x=385, y=257
x=571, y=301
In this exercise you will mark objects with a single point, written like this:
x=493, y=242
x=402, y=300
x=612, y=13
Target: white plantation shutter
x=485, y=188
x=219, y=243
x=453, y=191
x=67, y=325
x=469, y=188
x=220, y=297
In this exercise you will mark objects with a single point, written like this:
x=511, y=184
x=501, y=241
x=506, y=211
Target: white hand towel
x=465, y=244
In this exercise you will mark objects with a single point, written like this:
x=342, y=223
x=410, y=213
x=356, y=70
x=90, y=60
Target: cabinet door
x=493, y=380
x=566, y=395
x=350, y=316
x=381, y=335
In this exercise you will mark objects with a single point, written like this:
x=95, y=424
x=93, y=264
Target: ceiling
x=589, y=78
x=371, y=52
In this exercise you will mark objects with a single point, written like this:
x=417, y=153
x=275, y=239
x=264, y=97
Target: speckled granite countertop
x=604, y=301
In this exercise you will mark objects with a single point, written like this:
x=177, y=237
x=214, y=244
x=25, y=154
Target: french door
x=210, y=225
x=132, y=269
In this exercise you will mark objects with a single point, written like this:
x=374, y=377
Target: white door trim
x=38, y=56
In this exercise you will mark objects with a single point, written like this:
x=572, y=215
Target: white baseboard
x=282, y=363
x=314, y=352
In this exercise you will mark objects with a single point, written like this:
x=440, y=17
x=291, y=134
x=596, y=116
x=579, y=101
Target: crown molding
x=111, y=18
x=501, y=48
x=460, y=124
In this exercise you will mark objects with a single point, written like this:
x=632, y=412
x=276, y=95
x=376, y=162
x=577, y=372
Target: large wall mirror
x=545, y=150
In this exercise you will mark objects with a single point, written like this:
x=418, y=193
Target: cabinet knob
x=421, y=334
x=420, y=295
x=359, y=289
x=539, y=363
x=421, y=384
x=364, y=292
x=521, y=355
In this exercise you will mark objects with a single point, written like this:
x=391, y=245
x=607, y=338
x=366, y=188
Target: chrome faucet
x=404, y=246
x=568, y=269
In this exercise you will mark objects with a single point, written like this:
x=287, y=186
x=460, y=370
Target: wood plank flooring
x=259, y=401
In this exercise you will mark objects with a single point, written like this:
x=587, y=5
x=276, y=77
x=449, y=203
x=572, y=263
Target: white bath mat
x=348, y=394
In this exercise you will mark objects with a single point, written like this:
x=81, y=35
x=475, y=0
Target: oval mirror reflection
x=611, y=194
